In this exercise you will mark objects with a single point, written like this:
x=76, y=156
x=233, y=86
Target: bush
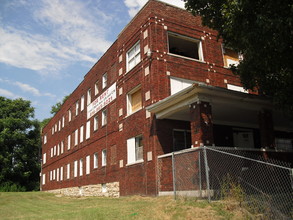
x=11, y=187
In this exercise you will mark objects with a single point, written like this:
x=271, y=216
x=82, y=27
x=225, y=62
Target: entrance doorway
x=181, y=139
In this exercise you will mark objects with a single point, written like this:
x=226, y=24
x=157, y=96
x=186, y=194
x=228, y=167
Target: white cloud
x=8, y=94
x=26, y=88
x=72, y=34
x=135, y=5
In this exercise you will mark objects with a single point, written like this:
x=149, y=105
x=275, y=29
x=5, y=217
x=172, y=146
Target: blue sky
x=47, y=46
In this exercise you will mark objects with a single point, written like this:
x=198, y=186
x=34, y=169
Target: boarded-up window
x=134, y=101
x=230, y=57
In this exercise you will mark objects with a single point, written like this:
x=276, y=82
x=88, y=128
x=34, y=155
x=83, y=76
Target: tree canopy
x=262, y=31
x=19, y=146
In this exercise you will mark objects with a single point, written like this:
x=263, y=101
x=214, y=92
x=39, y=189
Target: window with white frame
x=57, y=174
x=185, y=46
x=133, y=56
x=104, y=117
x=81, y=134
x=96, y=123
x=82, y=103
x=68, y=171
x=62, y=147
x=56, y=128
x=104, y=157
x=88, y=161
x=134, y=101
x=134, y=150
x=75, y=168
x=89, y=96
x=104, y=80
x=58, y=149
x=55, y=151
x=52, y=130
x=69, y=115
x=51, y=175
x=88, y=130
x=52, y=154
x=96, y=87
x=44, y=158
x=95, y=160
x=59, y=125
x=44, y=179
x=54, y=174
x=45, y=138
x=68, y=142
x=63, y=121
x=80, y=167
x=61, y=173
x=76, y=137
x=76, y=108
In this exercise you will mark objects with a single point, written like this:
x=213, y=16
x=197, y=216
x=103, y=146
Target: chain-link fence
x=262, y=185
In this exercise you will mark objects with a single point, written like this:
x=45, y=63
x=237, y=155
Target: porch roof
x=228, y=107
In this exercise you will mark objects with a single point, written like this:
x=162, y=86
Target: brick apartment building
x=164, y=85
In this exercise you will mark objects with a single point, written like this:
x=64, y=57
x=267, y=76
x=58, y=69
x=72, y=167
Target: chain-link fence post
x=174, y=176
x=207, y=172
x=199, y=174
x=291, y=178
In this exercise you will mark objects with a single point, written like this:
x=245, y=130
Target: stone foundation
x=101, y=190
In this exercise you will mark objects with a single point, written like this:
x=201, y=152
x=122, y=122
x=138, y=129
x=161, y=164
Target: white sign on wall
x=103, y=100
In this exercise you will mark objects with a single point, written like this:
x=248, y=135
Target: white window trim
x=88, y=165
x=81, y=134
x=97, y=88
x=104, y=117
x=44, y=179
x=81, y=167
x=96, y=160
x=82, y=103
x=61, y=173
x=44, y=158
x=129, y=58
x=75, y=168
x=104, y=80
x=69, y=115
x=89, y=96
x=131, y=151
x=88, y=130
x=68, y=171
x=68, y=142
x=76, y=137
x=104, y=157
x=76, y=108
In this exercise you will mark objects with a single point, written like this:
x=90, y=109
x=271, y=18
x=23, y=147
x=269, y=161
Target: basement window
x=184, y=46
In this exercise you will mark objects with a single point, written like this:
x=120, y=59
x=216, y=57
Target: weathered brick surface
x=157, y=18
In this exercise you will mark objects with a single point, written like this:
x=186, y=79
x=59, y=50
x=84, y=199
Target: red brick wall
x=157, y=18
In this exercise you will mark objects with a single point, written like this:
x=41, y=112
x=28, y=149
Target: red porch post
x=201, y=124
x=266, y=127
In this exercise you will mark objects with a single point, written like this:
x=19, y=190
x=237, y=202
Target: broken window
x=185, y=46
x=230, y=57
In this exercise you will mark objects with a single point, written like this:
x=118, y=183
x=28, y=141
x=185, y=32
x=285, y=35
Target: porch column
x=201, y=124
x=266, y=127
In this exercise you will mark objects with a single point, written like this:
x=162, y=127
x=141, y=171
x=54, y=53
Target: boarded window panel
x=230, y=57
x=136, y=101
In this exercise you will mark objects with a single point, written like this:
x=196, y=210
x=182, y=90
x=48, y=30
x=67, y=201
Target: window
x=69, y=115
x=283, y=144
x=104, y=157
x=96, y=87
x=134, y=150
x=96, y=123
x=68, y=142
x=181, y=140
x=52, y=130
x=230, y=57
x=75, y=168
x=52, y=152
x=61, y=173
x=88, y=160
x=104, y=80
x=59, y=125
x=89, y=97
x=185, y=46
x=81, y=134
x=76, y=137
x=57, y=174
x=44, y=179
x=54, y=174
x=58, y=149
x=104, y=188
x=44, y=158
x=88, y=130
x=56, y=128
x=63, y=121
x=68, y=171
x=133, y=56
x=76, y=108
x=134, y=101
x=80, y=167
x=55, y=150
x=62, y=147
x=104, y=117
x=45, y=138
x=178, y=84
x=51, y=175
x=95, y=160
x=82, y=103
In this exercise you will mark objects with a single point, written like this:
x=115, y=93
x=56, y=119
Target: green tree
x=19, y=146
x=55, y=108
x=261, y=30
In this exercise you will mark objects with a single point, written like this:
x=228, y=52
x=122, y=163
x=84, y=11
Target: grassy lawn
x=39, y=205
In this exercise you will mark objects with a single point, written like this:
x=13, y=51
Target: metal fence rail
x=261, y=185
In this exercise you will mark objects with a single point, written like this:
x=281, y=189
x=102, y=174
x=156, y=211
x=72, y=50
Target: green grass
x=39, y=205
